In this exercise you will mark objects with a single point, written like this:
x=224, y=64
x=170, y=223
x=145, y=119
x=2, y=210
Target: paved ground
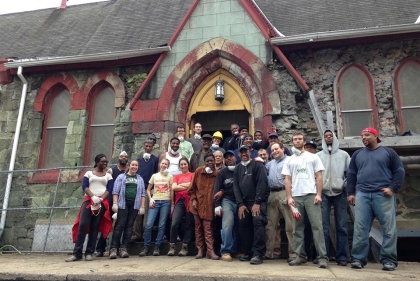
x=162, y=268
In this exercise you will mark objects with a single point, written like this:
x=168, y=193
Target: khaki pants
x=276, y=210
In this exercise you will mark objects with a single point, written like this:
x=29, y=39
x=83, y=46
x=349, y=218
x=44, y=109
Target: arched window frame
x=401, y=126
x=338, y=99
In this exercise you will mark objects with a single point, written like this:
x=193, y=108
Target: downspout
x=14, y=150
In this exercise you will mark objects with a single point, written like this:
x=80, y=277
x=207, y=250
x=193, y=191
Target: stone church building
x=99, y=78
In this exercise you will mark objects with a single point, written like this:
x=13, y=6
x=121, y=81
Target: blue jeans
x=368, y=206
x=162, y=208
x=229, y=229
x=340, y=213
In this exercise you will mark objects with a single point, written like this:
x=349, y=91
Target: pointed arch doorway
x=218, y=116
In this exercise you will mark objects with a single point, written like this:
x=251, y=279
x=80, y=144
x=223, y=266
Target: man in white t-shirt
x=303, y=182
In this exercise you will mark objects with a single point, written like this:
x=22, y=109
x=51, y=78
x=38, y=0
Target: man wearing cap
x=277, y=206
x=248, y=140
x=197, y=159
x=185, y=147
x=115, y=171
x=251, y=194
x=310, y=146
x=336, y=163
x=225, y=207
x=196, y=139
x=274, y=138
x=155, y=152
x=217, y=140
x=148, y=165
x=377, y=173
x=303, y=181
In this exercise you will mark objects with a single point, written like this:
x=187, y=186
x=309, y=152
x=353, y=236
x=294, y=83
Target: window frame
x=338, y=99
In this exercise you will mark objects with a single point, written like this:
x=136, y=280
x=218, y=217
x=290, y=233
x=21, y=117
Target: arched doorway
x=218, y=116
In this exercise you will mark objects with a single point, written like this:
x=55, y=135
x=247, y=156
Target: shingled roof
x=310, y=16
x=116, y=25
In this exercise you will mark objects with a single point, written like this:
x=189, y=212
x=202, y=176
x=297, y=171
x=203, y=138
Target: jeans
x=87, y=219
x=229, y=229
x=368, y=206
x=179, y=212
x=275, y=210
x=252, y=232
x=124, y=224
x=306, y=206
x=162, y=208
x=340, y=213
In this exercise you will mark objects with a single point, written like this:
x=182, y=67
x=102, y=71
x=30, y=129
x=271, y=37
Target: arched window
x=408, y=95
x=356, y=102
x=55, y=126
x=101, y=124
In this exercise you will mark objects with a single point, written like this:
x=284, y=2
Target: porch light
x=219, y=90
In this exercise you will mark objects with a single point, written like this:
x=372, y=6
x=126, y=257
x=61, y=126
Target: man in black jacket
x=251, y=193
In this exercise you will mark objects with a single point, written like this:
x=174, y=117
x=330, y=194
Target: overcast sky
x=16, y=6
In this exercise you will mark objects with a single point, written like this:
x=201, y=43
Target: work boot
x=144, y=252
x=124, y=253
x=171, y=250
x=184, y=250
x=113, y=253
x=156, y=251
x=226, y=257
x=208, y=235
x=199, y=238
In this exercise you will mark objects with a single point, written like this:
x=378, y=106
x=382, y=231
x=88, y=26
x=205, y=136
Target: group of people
x=249, y=184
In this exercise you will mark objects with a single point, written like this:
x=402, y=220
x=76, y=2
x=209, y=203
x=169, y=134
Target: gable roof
x=311, y=16
x=117, y=25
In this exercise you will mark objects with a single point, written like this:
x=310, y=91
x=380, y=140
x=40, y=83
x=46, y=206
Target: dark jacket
x=224, y=180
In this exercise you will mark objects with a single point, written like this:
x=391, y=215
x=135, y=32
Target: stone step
x=136, y=247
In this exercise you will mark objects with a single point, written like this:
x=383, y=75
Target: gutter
x=14, y=150
x=86, y=58
x=346, y=34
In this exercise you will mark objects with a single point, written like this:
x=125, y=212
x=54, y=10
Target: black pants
x=87, y=219
x=124, y=226
x=252, y=232
x=101, y=245
x=179, y=212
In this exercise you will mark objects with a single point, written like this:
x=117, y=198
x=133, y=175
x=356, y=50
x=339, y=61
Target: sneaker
x=256, y=260
x=73, y=258
x=113, y=253
x=156, y=251
x=226, y=257
x=297, y=261
x=356, y=264
x=171, y=252
x=144, y=252
x=123, y=253
x=88, y=258
x=99, y=254
x=342, y=263
x=289, y=259
x=323, y=263
x=388, y=266
x=245, y=258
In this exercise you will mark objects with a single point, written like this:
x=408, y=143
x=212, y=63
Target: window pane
x=59, y=110
x=409, y=84
x=104, y=107
x=54, y=148
x=411, y=119
x=100, y=142
x=355, y=122
x=354, y=90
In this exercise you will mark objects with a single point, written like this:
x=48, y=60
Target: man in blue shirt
x=377, y=173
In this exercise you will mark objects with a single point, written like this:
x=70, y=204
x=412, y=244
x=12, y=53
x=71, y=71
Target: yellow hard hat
x=218, y=135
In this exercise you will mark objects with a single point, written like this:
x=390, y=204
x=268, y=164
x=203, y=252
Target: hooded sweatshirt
x=336, y=163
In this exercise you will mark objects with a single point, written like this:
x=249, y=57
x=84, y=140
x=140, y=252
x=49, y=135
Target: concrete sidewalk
x=162, y=268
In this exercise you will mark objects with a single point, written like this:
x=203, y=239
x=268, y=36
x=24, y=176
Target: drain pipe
x=14, y=150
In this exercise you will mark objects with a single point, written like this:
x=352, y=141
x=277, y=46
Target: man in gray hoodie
x=336, y=163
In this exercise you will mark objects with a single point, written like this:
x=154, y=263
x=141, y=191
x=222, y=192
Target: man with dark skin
x=251, y=193
x=197, y=159
x=173, y=155
x=248, y=141
x=230, y=142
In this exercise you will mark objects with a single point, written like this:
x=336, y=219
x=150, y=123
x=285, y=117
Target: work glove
x=218, y=211
x=95, y=199
x=115, y=208
x=142, y=210
x=258, y=159
x=152, y=203
x=295, y=213
x=114, y=216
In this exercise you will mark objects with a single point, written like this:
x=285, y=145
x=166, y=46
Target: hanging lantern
x=219, y=90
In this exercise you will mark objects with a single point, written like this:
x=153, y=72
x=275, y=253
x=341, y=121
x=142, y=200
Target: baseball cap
x=244, y=146
x=207, y=136
x=273, y=135
x=228, y=152
x=372, y=131
x=312, y=143
x=152, y=137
